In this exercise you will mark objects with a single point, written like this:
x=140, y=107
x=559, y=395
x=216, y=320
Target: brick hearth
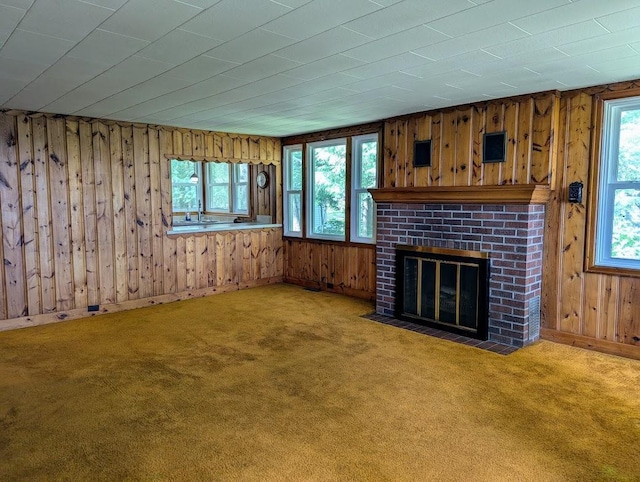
x=512, y=234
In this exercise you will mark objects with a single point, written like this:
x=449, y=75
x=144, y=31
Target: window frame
x=602, y=189
x=356, y=186
x=309, y=196
x=203, y=183
x=288, y=191
x=351, y=189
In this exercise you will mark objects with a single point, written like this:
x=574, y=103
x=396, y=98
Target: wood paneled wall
x=588, y=309
x=347, y=269
x=456, y=140
x=549, y=142
x=85, y=206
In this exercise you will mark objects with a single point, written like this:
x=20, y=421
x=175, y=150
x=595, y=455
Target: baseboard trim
x=77, y=313
x=581, y=341
x=343, y=290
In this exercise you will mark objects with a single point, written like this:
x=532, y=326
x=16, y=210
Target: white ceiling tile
x=261, y=68
x=112, y=4
x=292, y=3
x=144, y=91
x=405, y=15
x=569, y=13
x=595, y=44
x=621, y=20
x=250, y=46
x=20, y=69
x=201, y=68
x=320, y=68
x=123, y=76
x=9, y=88
x=35, y=47
x=468, y=60
x=398, y=43
x=320, y=15
x=230, y=19
x=10, y=17
x=201, y=3
x=106, y=47
x=177, y=47
x=149, y=19
x=62, y=77
x=490, y=14
x=351, y=57
x=323, y=45
x=23, y=4
x=552, y=38
x=472, y=41
x=66, y=19
x=397, y=63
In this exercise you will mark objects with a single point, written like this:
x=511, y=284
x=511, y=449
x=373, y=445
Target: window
x=365, y=176
x=323, y=196
x=617, y=241
x=327, y=174
x=186, y=194
x=292, y=199
x=220, y=187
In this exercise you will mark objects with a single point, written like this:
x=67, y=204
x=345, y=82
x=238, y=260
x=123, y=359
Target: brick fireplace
x=511, y=231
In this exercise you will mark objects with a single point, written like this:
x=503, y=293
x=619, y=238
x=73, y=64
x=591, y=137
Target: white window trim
x=608, y=185
x=356, y=173
x=309, y=207
x=287, y=192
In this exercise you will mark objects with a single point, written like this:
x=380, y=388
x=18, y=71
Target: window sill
x=215, y=227
x=612, y=271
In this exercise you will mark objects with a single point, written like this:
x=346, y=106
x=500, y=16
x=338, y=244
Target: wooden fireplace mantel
x=506, y=194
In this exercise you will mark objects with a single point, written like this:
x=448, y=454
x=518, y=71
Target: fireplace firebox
x=443, y=288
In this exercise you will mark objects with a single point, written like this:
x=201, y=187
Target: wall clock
x=262, y=179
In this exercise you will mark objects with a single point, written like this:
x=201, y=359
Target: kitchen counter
x=218, y=226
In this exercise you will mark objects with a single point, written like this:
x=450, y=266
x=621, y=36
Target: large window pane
x=218, y=172
x=241, y=201
x=218, y=198
x=629, y=146
x=185, y=194
x=295, y=212
x=295, y=171
x=368, y=164
x=366, y=215
x=328, y=175
x=625, y=239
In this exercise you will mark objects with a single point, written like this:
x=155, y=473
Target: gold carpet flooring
x=279, y=383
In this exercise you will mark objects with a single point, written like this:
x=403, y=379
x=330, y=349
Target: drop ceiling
x=291, y=66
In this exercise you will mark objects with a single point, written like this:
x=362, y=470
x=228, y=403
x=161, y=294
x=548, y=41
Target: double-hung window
x=364, y=176
x=216, y=187
x=617, y=226
x=292, y=193
x=326, y=189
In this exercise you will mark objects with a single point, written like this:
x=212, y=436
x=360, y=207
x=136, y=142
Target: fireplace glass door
x=446, y=288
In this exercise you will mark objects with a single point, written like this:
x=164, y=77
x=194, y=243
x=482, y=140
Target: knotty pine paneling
x=531, y=123
x=592, y=310
x=347, y=269
x=85, y=206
